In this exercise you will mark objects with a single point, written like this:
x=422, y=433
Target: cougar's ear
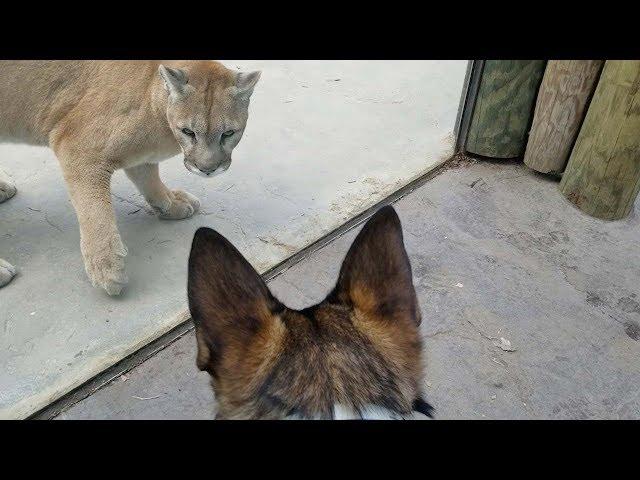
x=228, y=300
x=175, y=81
x=375, y=277
x=246, y=82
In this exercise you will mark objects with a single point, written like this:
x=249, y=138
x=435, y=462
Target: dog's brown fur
x=360, y=347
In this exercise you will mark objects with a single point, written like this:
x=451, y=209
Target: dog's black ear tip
x=387, y=210
x=421, y=406
x=388, y=214
x=207, y=236
x=208, y=248
x=204, y=232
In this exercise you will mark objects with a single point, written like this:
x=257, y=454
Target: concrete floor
x=496, y=252
x=325, y=140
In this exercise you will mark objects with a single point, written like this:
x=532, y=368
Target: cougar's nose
x=208, y=171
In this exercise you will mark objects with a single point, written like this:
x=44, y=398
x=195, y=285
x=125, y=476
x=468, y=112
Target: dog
x=101, y=116
x=357, y=354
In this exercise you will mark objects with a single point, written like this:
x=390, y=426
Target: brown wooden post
x=564, y=94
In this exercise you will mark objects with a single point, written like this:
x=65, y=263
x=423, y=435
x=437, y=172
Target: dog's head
x=356, y=354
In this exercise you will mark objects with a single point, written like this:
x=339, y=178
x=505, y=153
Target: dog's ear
x=375, y=277
x=228, y=300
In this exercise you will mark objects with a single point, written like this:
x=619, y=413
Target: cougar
x=100, y=116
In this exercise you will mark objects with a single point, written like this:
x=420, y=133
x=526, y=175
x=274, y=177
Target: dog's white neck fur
x=370, y=412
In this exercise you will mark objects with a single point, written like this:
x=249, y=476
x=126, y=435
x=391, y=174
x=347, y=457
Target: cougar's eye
x=188, y=132
x=228, y=133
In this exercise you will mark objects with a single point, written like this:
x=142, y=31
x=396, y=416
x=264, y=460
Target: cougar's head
x=207, y=111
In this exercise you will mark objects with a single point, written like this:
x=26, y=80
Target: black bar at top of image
x=369, y=33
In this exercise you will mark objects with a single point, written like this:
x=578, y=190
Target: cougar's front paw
x=7, y=188
x=7, y=272
x=183, y=205
x=104, y=263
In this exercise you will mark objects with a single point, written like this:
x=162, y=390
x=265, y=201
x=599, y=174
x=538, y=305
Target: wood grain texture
x=602, y=177
x=564, y=94
x=504, y=107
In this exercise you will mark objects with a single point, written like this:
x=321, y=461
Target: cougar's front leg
x=170, y=204
x=7, y=187
x=102, y=249
x=7, y=272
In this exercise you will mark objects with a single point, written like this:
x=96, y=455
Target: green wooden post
x=602, y=177
x=504, y=107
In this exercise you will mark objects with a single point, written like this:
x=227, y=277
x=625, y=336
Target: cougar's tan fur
x=100, y=116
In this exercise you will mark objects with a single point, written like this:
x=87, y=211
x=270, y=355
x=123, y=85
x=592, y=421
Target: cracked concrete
x=562, y=287
x=326, y=144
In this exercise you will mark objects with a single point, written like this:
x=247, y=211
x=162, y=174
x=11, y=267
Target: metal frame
x=468, y=103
